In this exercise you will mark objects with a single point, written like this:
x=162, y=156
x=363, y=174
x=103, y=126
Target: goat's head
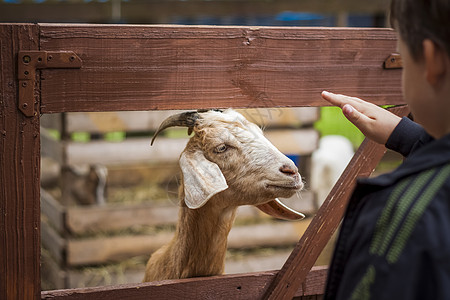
x=229, y=154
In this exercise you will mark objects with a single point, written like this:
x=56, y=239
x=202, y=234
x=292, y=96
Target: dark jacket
x=395, y=238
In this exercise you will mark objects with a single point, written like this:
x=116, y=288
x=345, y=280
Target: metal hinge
x=30, y=61
x=394, y=61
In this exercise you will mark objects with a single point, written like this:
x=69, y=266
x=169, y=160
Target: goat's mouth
x=285, y=185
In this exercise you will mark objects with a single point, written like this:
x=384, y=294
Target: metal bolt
x=26, y=72
x=50, y=57
x=24, y=84
x=393, y=59
x=25, y=105
x=26, y=59
x=72, y=58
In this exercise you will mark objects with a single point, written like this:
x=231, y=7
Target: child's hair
x=417, y=20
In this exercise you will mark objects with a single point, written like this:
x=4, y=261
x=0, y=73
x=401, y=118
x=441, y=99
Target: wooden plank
x=52, y=121
x=138, y=150
x=53, y=242
x=108, y=249
x=191, y=67
x=266, y=235
x=19, y=174
x=53, y=211
x=110, y=218
x=130, y=151
x=132, y=175
x=53, y=276
x=256, y=261
x=51, y=148
x=242, y=286
x=115, y=248
x=294, y=141
x=82, y=220
x=130, y=121
x=132, y=270
x=282, y=117
x=327, y=219
x=105, y=275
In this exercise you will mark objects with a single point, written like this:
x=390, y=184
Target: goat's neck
x=201, y=239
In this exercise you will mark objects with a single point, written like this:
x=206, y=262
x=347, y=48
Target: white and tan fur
x=227, y=163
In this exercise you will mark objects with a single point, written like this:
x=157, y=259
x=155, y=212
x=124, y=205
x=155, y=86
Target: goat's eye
x=221, y=148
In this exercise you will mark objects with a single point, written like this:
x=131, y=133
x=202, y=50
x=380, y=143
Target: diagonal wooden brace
x=27, y=64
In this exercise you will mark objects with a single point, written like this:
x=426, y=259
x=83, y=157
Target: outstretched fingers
x=374, y=122
x=341, y=100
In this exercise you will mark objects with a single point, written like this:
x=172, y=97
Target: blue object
x=289, y=16
x=295, y=158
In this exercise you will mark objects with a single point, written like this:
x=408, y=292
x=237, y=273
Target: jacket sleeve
x=407, y=137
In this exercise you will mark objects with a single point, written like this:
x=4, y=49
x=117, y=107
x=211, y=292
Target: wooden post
x=19, y=174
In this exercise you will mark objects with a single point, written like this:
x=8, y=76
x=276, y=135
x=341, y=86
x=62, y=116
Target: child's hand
x=374, y=122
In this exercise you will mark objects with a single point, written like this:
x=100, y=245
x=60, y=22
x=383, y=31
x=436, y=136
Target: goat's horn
x=186, y=119
x=277, y=209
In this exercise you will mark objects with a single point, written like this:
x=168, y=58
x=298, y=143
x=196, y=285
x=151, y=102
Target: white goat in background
x=328, y=162
x=227, y=163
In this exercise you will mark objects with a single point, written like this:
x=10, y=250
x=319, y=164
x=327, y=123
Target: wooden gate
x=49, y=68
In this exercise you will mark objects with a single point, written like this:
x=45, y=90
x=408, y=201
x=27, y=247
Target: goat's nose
x=289, y=170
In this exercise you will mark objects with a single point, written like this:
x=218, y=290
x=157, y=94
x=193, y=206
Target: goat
x=87, y=184
x=226, y=163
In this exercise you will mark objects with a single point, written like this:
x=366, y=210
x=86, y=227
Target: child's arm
x=374, y=122
x=407, y=137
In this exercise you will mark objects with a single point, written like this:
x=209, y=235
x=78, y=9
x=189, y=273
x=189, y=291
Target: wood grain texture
x=191, y=67
x=327, y=220
x=241, y=286
x=19, y=175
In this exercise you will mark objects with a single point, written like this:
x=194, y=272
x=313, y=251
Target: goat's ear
x=202, y=178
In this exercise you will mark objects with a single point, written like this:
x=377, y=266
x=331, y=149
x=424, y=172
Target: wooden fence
x=108, y=243
x=48, y=68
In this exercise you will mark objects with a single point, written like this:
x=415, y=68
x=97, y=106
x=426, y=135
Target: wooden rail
x=240, y=286
x=173, y=67
x=176, y=67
